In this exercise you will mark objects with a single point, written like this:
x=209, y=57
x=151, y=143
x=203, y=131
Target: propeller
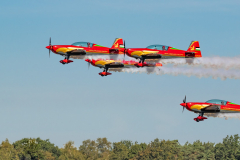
x=89, y=61
x=184, y=101
x=50, y=46
x=124, y=49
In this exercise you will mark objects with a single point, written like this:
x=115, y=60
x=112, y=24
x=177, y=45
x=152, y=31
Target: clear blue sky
x=42, y=98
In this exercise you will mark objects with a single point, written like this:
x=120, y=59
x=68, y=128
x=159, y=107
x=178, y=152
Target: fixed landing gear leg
x=66, y=60
x=106, y=69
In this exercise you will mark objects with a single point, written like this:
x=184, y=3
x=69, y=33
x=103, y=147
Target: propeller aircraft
x=78, y=49
x=116, y=64
x=163, y=52
x=210, y=106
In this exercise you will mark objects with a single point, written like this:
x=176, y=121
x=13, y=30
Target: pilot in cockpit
x=163, y=48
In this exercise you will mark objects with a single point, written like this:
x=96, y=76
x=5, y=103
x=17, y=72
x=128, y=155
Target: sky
x=42, y=98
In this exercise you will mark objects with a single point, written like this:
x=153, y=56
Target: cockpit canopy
x=83, y=44
x=217, y=101
x=158, y=47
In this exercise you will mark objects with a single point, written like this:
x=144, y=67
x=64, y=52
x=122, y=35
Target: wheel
x=197, y=120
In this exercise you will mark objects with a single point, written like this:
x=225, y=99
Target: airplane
x=163, y=52
x=116, y=64
x=78, y=49
x=210, y=106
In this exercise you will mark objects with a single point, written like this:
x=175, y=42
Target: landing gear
x=200, y=117
x=66, y=60
x=140, y=63
x=104, y=73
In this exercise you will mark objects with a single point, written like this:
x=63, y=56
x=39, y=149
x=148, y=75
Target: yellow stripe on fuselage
x=198, y=106
x=64, y=50
x=104, y=62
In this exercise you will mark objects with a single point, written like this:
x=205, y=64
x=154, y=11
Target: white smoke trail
x=207, y=62
x=224, y=115
x=198, y=72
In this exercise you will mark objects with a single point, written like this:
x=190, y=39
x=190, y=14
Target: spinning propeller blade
x=124, y=49
x=184, y=101
x=88, y=65
x=50, y=46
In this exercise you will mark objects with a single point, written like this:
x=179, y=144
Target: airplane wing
x=115, y=65
x=213, y=107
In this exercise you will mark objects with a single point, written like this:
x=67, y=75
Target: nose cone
x=183, y=104
x=87, y=60
x=48, y=47
x=127, y=52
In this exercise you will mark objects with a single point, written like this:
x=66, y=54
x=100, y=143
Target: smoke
x=193, y=71
x=207, y=62
x=224, y=115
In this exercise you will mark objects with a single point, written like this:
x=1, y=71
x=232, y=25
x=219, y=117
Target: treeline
x=102, y=149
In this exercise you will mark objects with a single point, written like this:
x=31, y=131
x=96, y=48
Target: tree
x=229, y=148
x=7, y=151
x=198, y=150
x=161, y=150
x=69, y=152
x=99, y=149
x=103, y=148
x=89, y=149
x=135, y=149
x=34, y=149
x=120, y=151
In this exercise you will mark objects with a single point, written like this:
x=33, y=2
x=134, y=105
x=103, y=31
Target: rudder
x=118, y=43
x=195, y=47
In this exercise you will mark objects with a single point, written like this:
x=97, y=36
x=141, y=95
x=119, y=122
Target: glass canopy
x=217, y=101
x=158, y=47
x=83, y=44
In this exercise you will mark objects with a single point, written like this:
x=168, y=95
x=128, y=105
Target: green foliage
x=229, y=149
x=35, y=149
x=99, y=149
x=161, y=149
x=69, y=152
x=198, y=150
x=120, y=151
x=7, y=151
x=102, y=149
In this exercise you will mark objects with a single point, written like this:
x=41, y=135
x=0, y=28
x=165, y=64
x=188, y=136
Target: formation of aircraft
x=151, y=53
x=210, y=106
x=78, y=49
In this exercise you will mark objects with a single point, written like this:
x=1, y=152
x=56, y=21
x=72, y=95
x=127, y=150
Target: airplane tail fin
x=118, y=43
x=195, y=47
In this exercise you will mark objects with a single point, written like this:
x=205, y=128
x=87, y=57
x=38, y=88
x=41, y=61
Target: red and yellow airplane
x=116, y=64
x=163, y=52
x=78, y=49
x=210, y=106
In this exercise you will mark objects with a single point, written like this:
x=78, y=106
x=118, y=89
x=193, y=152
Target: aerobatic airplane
x=78, y=49
x=116, y=64
x=210, y=106
x=163, y=52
